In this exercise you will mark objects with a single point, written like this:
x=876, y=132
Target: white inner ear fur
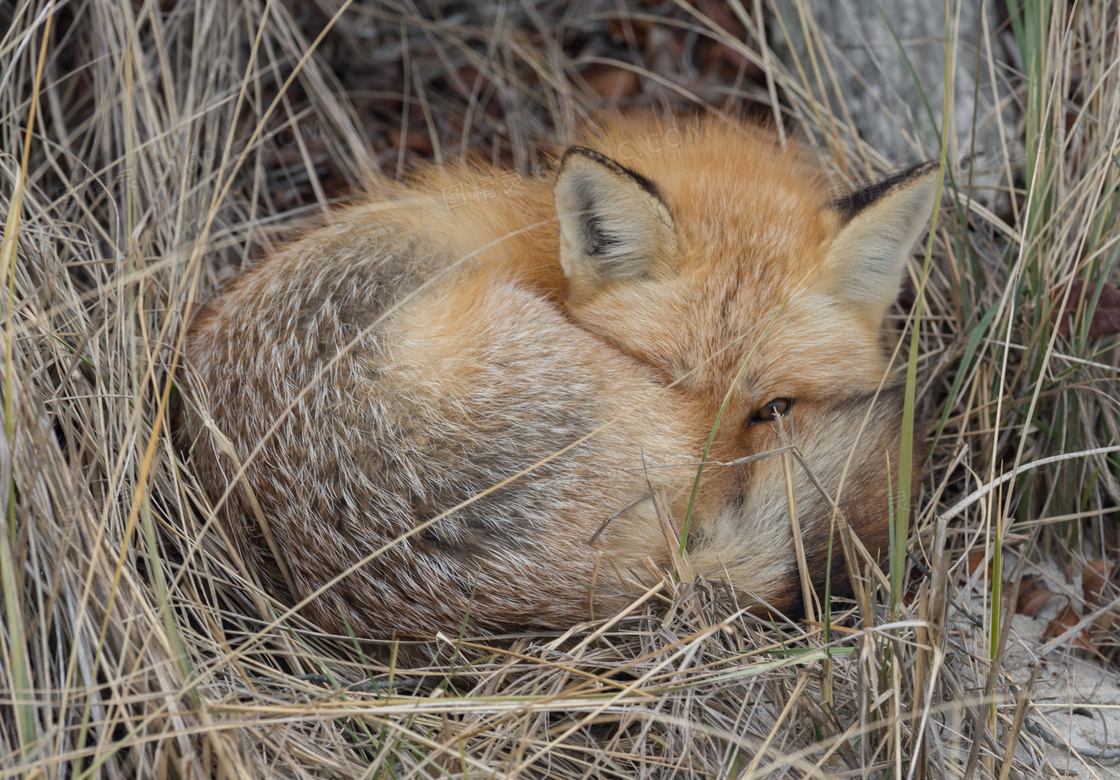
x=611, y=227
x=868, y=257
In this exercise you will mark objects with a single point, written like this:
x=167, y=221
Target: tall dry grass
x=149, y=148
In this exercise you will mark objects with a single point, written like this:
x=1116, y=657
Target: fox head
x=722, y=264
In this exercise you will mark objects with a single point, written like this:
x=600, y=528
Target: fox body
x=489, y=411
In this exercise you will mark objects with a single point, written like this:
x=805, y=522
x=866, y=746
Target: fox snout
x=816, y=472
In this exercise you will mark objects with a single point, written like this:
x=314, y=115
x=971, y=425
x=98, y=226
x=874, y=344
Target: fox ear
x=613, y=222
x=881, y=224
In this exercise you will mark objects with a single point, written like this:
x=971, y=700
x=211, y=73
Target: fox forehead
x=729, y=186
x=754, y=225
x=799, y=346
x=753, y=219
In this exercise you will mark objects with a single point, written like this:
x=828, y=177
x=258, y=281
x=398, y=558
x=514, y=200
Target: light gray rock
x=868, y=50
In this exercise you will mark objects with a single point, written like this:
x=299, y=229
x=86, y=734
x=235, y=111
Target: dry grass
x=150, y=147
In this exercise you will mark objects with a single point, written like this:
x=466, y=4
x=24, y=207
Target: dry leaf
x=621, y=28
x=975, y=560
x=1094, y=582
x=1033, y=593
x=413, y=140
x=1063, y=623
x=1106, y=316
x=1101, y=590
x=610, y=82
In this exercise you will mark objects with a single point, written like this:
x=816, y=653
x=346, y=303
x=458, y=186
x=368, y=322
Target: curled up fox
x=489, y=414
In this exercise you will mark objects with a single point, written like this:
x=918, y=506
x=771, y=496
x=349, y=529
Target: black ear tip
x=854, y=202
x=581, y=154
x=577, y=149
x=577, y=156
x=928, y=168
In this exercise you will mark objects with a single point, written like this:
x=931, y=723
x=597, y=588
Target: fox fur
x=486, y=411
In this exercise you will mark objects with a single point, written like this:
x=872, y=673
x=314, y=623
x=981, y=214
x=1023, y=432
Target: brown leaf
x=723, y=16
x=1065, y=622
x=413, y=140
x=1106, y=322
x=1029, y=604
x=610, y=82
x=1094, y=581
x=716, y=57
x=1106, y=316
x=1101, y=586
x=1033, y=593
x=975, y=560
x=621, y=28
x=1106, y=628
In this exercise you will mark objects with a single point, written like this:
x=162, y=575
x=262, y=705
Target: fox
x=482, y=402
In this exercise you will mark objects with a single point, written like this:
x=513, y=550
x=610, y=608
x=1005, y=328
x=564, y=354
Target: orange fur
x=483, y=413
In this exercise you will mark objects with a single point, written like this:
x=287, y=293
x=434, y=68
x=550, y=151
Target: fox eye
x=777, y=407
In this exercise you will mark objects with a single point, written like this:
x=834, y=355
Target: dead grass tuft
x=150, y=148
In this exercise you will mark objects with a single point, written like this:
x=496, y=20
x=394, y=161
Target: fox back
x=481, y=401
